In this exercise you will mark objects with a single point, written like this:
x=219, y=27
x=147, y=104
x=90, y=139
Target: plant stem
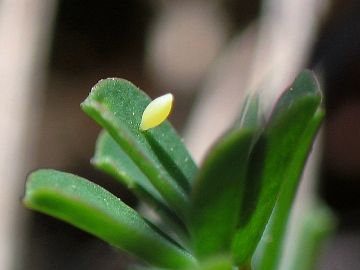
x=245, y=267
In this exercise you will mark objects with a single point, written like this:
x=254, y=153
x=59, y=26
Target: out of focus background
x=209, y=53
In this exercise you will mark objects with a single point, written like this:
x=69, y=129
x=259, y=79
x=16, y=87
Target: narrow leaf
x=271, y=158
x=250, y=115
x=215, y=263
x=271, y=251
x=95, y=210
x=111, y=158
x=118, y=106
x=218, y=193
x=218, y=188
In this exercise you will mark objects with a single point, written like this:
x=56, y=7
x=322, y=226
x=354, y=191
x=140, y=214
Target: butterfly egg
x=156, y=112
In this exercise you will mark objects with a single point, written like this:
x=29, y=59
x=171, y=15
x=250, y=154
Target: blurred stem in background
x=25, y=27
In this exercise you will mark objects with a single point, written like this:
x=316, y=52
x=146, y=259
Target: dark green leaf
x=95, y=210
x=118, y=105
x=271, y=251
x=250, y=115
x=111, y=158
x=218, y=188
x=270, y=160
x=215, y=263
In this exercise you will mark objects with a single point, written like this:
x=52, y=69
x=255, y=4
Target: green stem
x=245, y=267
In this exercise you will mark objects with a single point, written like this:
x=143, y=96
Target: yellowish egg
x=156, y=112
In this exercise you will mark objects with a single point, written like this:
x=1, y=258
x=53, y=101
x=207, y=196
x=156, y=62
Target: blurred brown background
x=206, y=52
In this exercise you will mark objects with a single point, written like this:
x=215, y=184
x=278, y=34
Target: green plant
x=213, y=217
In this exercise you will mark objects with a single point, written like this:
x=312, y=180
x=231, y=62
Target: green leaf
x=118, y=105
x=270, y=160
x=95, y=210
x=250, y=115
x=111, y=158
x=218, y=193
x=271, y=251
x=218, y=188
x=215, y=263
